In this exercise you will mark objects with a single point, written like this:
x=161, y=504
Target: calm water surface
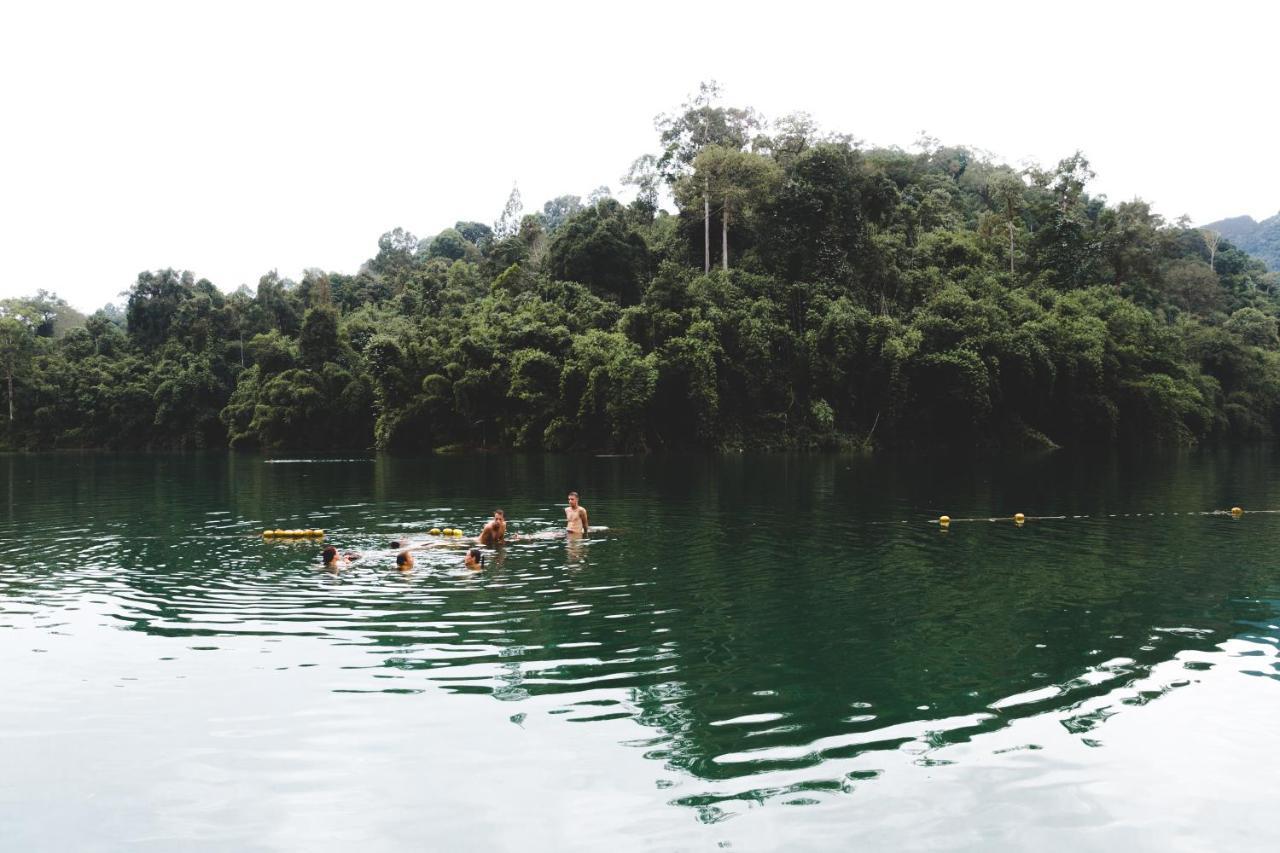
x=760, y=652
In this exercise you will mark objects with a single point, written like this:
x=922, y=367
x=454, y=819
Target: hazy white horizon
x=235, y=138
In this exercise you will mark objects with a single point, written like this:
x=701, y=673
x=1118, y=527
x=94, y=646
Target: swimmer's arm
x=582, y=513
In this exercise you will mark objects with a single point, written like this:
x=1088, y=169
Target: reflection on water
x=749, y=632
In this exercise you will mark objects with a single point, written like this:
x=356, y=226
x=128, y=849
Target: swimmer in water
x=333, y=560
x=404, y=561
x=475, y=560
x=575, y=515
x=495, y=532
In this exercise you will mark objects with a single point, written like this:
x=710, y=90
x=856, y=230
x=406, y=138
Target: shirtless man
x=575, y=516
x=495, y=532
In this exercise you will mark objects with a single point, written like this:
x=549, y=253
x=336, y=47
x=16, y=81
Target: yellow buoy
x=944, y=520
x=277, y=532
x=1237, y=511
x=266, y=533
x=435, y=531
x=1019, y=517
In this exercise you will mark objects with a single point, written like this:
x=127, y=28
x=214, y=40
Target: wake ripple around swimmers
x=399, y=552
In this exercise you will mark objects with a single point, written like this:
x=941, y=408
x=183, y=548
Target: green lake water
x=760, y=652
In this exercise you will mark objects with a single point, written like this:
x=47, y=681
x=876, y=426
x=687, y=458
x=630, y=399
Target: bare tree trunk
x=1010, y=248
x=1211, y=240
x=706, y=230
x=724, y=238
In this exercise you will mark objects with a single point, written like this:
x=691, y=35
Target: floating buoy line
x=310, y=533
x=317, y=533
x=943, y=522
x=1019, y=519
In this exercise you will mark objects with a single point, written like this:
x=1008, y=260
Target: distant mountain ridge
x=1260, y=239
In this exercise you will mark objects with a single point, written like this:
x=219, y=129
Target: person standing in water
x=495, y=532
x=575, y=515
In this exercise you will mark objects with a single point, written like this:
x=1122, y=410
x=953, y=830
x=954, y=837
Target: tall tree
x=698, y=124
x=508, y=224
x=17, y=340
x=735, y=179
x=643, y=175
x=1006, y=191
x=1211, y=240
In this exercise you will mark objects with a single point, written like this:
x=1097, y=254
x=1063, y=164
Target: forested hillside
x=1260, y=239
x=805, y=292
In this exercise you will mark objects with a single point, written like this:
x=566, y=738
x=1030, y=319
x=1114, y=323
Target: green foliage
x=597, y=248
x=877, y=297
x=319, y=341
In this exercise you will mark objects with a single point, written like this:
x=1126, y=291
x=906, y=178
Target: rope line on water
x=1019, y=518
x=942, y=521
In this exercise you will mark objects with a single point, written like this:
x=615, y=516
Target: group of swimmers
x=493, y=535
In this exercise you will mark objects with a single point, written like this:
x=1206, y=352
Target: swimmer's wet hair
x=394, y=545
x=573, y=494
x=477, y=555
x=329, y=554
x=402, y=558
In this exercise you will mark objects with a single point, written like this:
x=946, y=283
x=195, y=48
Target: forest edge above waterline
x=851, y=298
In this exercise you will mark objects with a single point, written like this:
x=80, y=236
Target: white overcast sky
x=235, y=138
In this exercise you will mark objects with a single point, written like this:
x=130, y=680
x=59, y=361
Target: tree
x=476, y=233
x=596, y=248
x=644, y=176
x=793, y=134
x=698, y=124
x=318, y=341
x=153, y=301
x=17, y=342
x=508, y=224
x=1211, y=240
x=1006, y=191
x=558, y=210
x=817, y=225
x=448, y=244
x=737, y=180
x=1066, y=252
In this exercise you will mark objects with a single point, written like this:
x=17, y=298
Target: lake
x=760, y=652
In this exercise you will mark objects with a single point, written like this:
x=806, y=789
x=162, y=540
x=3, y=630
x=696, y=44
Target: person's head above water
x=475, y=559
x=573, y=499
x=329, y=556
x=404, y=561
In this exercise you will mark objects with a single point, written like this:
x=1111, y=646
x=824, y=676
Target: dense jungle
x=804, y=290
